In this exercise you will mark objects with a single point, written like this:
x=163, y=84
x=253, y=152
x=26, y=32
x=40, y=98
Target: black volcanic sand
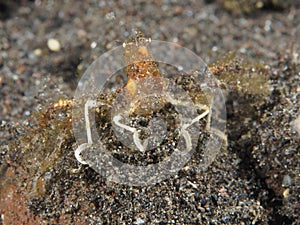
x=253, y=180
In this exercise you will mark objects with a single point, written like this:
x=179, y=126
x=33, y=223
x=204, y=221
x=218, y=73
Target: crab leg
x=78, y=151
x=88, y=104
x=197, y=118
x=136, y=139
x=82, y=147
x=186, y=134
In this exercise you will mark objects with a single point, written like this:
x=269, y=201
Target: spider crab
x=147, y=91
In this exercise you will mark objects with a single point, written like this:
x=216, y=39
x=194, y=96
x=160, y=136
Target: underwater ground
x=252, y=47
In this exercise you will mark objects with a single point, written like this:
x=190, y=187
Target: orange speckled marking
x=140, y=63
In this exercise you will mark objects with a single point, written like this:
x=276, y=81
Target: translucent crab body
x=138, y=117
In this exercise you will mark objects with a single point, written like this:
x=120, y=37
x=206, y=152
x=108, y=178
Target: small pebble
x=287, y=181
x=37, y=52
x=81, y=33
x=110, y=16
x=214, y=48
x=93, y=44
x=178, y=10
x=53, y=45
x=286, y=193
x=202, y=209
x=296, y=125
x=139, y=221
x=259, y=5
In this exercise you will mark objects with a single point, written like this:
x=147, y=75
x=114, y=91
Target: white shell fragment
x=53, y=45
